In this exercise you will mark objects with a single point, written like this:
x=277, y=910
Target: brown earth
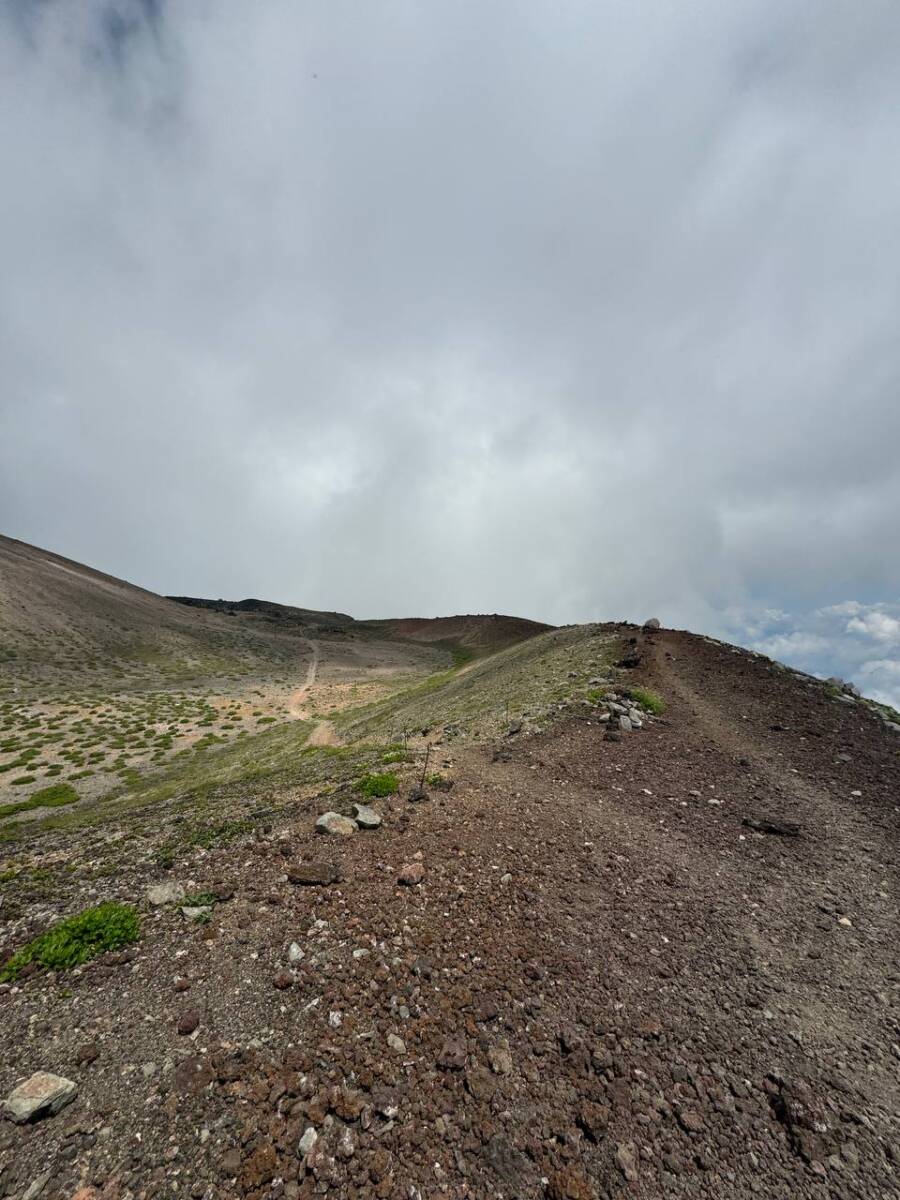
x=604, y=985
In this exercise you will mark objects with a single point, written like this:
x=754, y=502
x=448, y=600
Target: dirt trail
x=297, y=702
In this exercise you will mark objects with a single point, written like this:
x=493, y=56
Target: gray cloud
x=575, y=311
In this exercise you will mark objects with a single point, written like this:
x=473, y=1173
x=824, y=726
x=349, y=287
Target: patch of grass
x=49, y=797
x=435, y=779
x=22, y=780
x=384, y=783
x=396, y=756
x=77, y=939
x=199, y=900
x=649, y=700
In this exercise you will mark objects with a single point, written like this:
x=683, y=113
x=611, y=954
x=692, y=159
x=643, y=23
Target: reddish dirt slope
x=604, y=981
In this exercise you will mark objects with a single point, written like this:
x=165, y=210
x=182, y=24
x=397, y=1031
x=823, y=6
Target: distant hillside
x=311, y=619
x=64, y=624
x=483, y=633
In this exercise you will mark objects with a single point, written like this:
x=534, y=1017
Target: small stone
x=397, y=1044
x=43, y=1095
x=625, y=724
x=453, y=1055
x=569, y=1184
x=845, y=921
x=306, y=1143
x=314, y=873
x=366, y=817
x=169, y=892
x=334, y=823
x=37, y=1186
x=196, y=912
x=283, y=980
x=346, y=1146
x=188, y=1022
x=500, y=1059
x=690, y=1120
x=411, y=874
x=295, y=953
x=480, y=1083
x=626, y=1160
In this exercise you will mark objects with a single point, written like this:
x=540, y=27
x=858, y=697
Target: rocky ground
x=575, y=974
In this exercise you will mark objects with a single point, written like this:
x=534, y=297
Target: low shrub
x=77, y=939
x=383, y=784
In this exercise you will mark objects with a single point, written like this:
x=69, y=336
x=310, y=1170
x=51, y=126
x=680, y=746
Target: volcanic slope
x=110, y=692
x=577, y=969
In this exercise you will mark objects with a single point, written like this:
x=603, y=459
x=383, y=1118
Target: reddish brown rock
x=411, y=874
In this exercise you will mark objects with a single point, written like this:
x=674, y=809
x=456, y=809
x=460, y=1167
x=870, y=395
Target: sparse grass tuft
x=383, y=784
x=396, y=756
x=647, y=699
x=77, y=939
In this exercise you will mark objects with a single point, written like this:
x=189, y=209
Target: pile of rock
x=364, y=817
x=620, y=713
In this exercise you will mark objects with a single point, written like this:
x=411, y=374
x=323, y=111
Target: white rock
x=196, y=912
x=309, y=1139
x=332, y=822
x=170, y=892
x=295, y=953
x=625, y=724
x=845, y=921
x=43, y=1095
x=397, y=1044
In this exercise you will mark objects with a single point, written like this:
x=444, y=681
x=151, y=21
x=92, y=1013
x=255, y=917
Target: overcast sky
x=573, y=310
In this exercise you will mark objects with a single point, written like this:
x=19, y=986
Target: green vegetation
x=383, y=784
x=436, y=779
x=647, y=699
x=396, y=754
x=77, y=939
x=49, y=797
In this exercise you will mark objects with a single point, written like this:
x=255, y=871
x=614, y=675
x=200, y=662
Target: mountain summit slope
x=636, y=936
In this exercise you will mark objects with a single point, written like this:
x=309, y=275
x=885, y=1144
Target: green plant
x=435, y=779
x=77, y=939
x=199, y=900
x=647, y=699
x=395, y=756
x=383, y=784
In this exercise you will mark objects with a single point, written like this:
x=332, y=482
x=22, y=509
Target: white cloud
x=576, y=311
x=878, y=625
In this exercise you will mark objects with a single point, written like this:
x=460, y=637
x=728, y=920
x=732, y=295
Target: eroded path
x=299, y=698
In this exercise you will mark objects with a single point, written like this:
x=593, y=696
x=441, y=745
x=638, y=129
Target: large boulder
x=653, y=623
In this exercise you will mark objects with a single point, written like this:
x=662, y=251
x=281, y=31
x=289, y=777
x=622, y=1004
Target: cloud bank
x=578, y=311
